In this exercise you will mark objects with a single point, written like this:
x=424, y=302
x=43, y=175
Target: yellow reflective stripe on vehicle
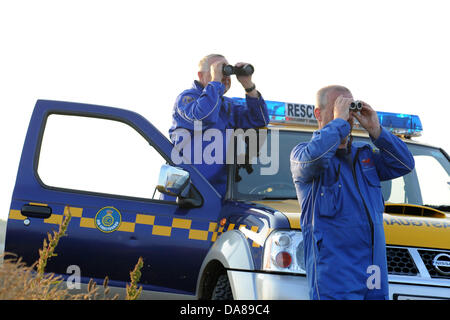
x=54, y=219
x=126, y=226
x=214, y=230
x=162, y=231
x=87, y=223
x=181, y=223
x=38, y=204
x=74, y=212
x=212, y=226
x=145, y=219
x=198, y=234
x=16, y=215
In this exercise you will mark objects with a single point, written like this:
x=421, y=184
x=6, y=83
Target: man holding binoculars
x=338, y=188
x=205, y=105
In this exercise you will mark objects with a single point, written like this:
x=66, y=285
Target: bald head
x=325, y=99
x=205, y=62
x=205, y=66
x=327, y=95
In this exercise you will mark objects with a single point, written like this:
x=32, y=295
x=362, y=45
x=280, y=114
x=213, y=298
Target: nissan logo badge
x=442, y=263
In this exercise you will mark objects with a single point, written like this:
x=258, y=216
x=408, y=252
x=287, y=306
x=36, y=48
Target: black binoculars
x=355, y=106
x=245, y=70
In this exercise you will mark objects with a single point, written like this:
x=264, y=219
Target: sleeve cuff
x=382, y=138
x=342, y=126
x=219, y=86
x=253, y=98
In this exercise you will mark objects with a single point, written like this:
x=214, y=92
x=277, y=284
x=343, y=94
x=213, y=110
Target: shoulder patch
x=187, y=99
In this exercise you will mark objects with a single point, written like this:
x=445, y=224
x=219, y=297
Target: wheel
x=222, y=289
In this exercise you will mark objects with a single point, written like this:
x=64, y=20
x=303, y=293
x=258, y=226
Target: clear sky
x=140, y=55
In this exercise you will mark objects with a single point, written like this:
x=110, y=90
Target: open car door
x=103, y=164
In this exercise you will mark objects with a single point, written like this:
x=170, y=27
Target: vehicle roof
x=356, y=133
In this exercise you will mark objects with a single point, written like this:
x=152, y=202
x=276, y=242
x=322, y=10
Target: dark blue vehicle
x=185, y=254
x=112, y=169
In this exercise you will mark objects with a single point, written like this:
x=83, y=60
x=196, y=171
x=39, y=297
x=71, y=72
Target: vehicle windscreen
x=428, y=184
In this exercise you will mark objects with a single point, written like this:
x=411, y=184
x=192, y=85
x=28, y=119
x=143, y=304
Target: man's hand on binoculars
x=216, y=70
x=341, y=107
x=246, y=81
x=368, y=119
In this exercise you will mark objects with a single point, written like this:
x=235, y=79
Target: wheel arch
x=230, y=251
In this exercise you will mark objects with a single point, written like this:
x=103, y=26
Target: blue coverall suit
x=209, y=106
x=342, y=209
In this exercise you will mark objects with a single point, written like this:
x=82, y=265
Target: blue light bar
x=399, y=123
x=276, y=109
x=284, y=112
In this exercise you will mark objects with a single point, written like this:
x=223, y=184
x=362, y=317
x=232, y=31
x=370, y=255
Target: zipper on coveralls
x=369, y=218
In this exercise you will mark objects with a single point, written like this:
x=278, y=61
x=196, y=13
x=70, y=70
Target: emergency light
x=403, y=124
x=286, y=112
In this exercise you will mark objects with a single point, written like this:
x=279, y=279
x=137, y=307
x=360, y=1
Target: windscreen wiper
x=279, y=198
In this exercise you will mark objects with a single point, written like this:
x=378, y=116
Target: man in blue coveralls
x=338, y=188
x=205, y=104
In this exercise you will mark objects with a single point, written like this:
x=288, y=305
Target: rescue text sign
x=299, y=111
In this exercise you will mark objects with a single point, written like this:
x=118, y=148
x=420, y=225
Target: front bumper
x=401, y=288
x=247, y=285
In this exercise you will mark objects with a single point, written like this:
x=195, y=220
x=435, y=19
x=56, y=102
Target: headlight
x=284, y=252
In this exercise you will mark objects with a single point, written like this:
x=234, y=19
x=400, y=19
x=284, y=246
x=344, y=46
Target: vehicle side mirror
x=173, y=181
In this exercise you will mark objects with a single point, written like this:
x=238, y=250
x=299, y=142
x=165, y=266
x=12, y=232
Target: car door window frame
x=92, y=193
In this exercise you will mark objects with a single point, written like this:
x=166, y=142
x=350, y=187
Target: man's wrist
x=250, y=88
x=254, y=94
x=375, y=132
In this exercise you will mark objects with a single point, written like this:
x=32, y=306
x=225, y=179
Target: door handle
x=32, y=211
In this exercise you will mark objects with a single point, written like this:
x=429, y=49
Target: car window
x=251, y=184
x=427, y=184
x=433, y=180
x=98, y=155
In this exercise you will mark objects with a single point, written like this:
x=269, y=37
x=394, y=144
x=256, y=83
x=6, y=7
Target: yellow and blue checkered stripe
x=210, y=232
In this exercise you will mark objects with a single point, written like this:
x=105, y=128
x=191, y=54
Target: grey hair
x=204, y=64
x=322, y=94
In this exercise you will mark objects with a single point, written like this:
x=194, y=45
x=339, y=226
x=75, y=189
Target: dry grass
x=48, y=249
x=21, y=282
x=18, y=282
x=133, y=292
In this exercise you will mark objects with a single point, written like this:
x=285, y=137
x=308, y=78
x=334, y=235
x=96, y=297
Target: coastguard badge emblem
x=187, y=99
x=108, y=219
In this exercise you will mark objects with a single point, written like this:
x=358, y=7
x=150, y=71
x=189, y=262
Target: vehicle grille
x=428, y=257
x=400, y=262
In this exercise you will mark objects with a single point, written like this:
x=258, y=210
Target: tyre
x=222, y=289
